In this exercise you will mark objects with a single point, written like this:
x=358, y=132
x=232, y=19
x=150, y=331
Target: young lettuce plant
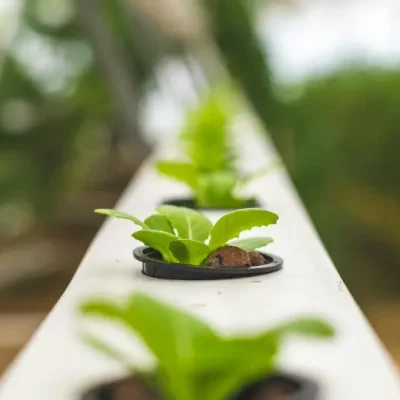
x=210, y=171
x=186, y=236
x=192, y=361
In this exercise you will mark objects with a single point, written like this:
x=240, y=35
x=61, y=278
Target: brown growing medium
x=233, y=257
x=256, y=258
x=229, y=256
x=273, y=393
x=133, y=389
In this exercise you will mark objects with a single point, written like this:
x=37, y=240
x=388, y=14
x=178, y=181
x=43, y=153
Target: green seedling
x=191, y=360
x=210, y=171
x=186, y=236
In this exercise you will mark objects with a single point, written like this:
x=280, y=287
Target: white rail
x=55, y=365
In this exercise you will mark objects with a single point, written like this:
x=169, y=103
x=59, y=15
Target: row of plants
x=191, y=360
x=179, y=236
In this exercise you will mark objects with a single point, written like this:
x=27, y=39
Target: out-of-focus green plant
x=211, y=171
x=192, y=361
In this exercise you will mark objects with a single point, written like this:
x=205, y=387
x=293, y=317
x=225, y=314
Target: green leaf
x=250, y=244
x=180, y=171
x=181, y=343
x=121, y=215
x=188, y=251
x=175, y=338
x=158, y=240
x=158, y=222
x=206, y=133
x=189, y=224
x=103, y=308
x=216, y=189
x=306, y=326
x=150, y=317
x=245, y=180
x=232, y=224
x=108, y=350
x=260, y=352
x=238, y=362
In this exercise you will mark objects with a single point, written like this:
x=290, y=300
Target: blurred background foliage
x=344, y=138
x=74, y=78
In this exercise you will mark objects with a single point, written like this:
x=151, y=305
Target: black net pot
x=274, y=387
x=153, y=265
x=190, y=202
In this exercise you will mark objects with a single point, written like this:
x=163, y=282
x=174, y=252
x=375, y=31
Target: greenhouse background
x=87, y=88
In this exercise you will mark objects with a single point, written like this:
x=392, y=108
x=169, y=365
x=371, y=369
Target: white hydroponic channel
x=56, y=365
